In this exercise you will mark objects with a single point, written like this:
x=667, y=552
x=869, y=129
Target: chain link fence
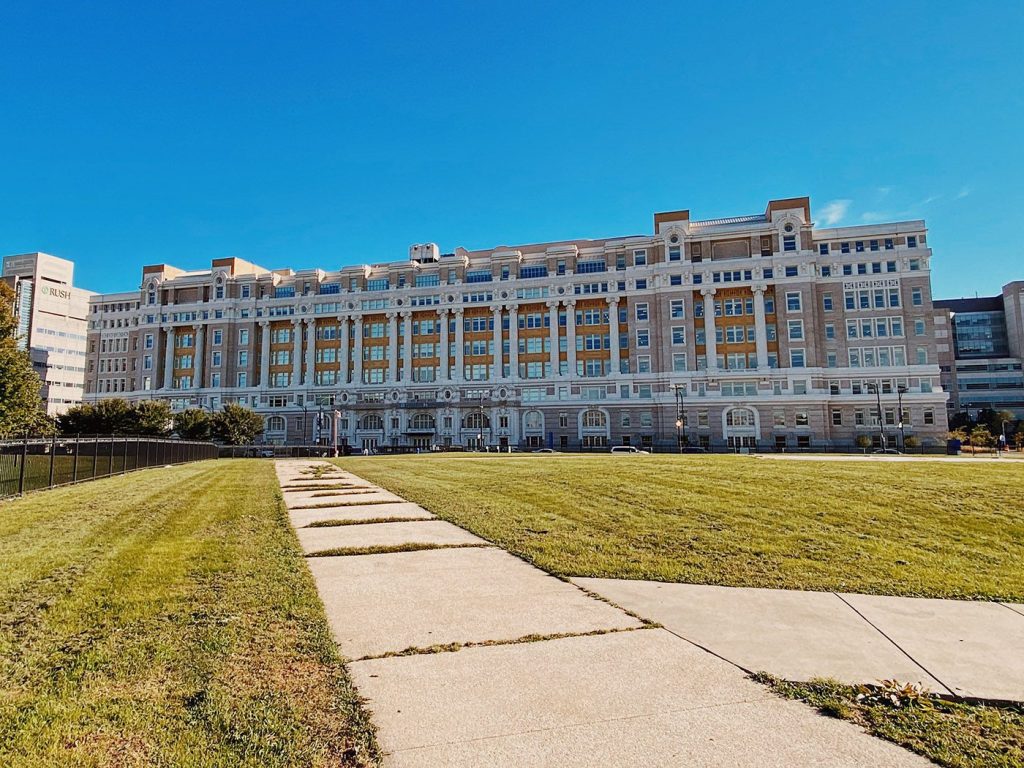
x=34, y=464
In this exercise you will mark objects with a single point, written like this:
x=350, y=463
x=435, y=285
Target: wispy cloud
x=873, y=217
x=915, y=209
x=833, y=212
x=964, y=192
x=883, y=191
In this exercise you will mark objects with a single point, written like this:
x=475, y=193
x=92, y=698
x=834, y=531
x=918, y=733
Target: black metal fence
x=34, y=464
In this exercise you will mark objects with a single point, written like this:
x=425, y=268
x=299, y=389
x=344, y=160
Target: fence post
x=74, y=465
x=110, y=464
x=124, y=464
x=138, y=452
x=53, y=458
x=21, y=470
x=95, y=456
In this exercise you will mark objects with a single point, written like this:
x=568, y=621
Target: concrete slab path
x=436, y=532
x=966, y=648
x=611, y=693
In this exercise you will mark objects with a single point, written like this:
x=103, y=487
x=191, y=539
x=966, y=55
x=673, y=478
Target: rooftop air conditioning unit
x=424, y=253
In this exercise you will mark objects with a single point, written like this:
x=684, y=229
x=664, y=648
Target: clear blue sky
x=311, y=134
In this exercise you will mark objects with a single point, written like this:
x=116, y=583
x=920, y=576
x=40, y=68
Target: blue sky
x=320, y=134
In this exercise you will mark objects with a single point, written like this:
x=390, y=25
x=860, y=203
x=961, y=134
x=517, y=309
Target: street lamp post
x=900, y=389
x=881, y=423
x=1003, y=429
x=480, y=435
x=680, y=417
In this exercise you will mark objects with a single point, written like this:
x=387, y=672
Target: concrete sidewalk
x=970, y=649
x=505, y=665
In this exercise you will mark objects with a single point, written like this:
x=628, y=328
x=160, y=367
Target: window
x=823, y=249
x=916, y=297
x=677, y=309
x=243, y=337
x=889, y=244
x=678, y=335
x=837, y=418
x=674, y=253
x=243, y=379
x=791, y=271
x=679, y=362
x=640, y=258
x=643, y=338
x=859, y=246
x=826, y=302
x=911, y=241
x=793, y=303
x=594, y=419
x=218, y=337
x=789, y=242
x=830, y=331
x=801, y=419
x=929, y=416
x=922, y=355
x=874, y=245
x=642, y=313
x=796, y=358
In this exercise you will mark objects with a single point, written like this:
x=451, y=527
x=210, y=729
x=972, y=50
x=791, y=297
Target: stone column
x=264, y=353
x=460, y=345
x=407, y=352
x=343, y=354
x=613, y=332
x=513, y=341
x=553, y=333
x=392, y=347
x=710, y=341
x=760, y=329
x=297, y=353
x=444, y=354
x=497, y=370
x=197, y=360
x=357, y=351
x=169, y=357
x=570, y=335
x=310, y=376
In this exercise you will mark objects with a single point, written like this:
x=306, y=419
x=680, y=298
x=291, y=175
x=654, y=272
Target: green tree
x=863, y=442
x=981, y=437
x=193, y=424
x=20, y=405
x=961, y=421
x=237, y=425
x=151, y=417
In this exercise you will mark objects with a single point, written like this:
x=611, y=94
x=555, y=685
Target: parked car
x=694, y=449
x=629, y=449
x=545, y=450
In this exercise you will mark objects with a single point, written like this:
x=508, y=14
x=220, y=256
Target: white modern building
x=53, y=318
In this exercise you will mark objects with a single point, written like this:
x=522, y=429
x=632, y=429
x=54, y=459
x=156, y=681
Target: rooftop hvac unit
x=424, y=253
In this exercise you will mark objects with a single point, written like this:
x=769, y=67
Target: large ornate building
x=754, y=331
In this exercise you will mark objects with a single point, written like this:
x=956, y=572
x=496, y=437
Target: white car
x=629, y=449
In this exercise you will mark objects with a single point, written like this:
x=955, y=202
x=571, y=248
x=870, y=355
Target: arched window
x=275, y=424
x=594, y=420
x=533, y=420
x=422, y=422
x=218, y=289
x=740, y=417
x=373, y=421
x=476, y=420
x=151, y=293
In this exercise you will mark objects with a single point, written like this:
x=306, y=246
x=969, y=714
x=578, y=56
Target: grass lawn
x=920, y=529
x=168, y=618
x=952, y=734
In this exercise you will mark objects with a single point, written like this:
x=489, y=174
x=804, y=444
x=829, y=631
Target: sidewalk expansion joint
x=1011, y=608
x=524, y=640
x=369, y=521
x=332, y=504
x=392, y=549
x=896, y=645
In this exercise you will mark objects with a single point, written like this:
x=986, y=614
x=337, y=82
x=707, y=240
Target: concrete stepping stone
x=791, y=634
x=974, y=648
x=384, y=535
x=405, y=509
x=623, y=699
x=387, y=603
